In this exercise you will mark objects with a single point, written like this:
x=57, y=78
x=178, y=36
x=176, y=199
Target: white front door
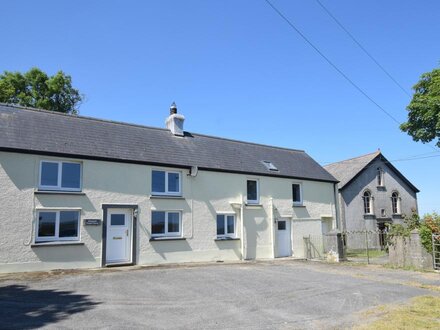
x=119, y=236
x=283, y=238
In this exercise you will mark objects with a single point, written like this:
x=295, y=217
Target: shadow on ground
x=25, y=308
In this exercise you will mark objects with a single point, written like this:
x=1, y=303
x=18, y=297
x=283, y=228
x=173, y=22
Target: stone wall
x=409, y=251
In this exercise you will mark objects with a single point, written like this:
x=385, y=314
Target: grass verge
x=422, y=313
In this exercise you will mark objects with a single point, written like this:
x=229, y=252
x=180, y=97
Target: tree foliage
x=36, y=89
x=424, y=109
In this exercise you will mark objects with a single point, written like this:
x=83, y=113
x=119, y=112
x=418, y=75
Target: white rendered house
x=80, y=192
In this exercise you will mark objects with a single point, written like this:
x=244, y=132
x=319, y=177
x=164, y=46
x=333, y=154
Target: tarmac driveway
x=273, y=294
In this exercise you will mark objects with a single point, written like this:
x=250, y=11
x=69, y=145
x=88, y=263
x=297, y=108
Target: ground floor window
x=166, y=223
x=225, y=225
x=57, y=226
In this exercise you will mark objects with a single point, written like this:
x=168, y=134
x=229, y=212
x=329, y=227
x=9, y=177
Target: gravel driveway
x=273, y=294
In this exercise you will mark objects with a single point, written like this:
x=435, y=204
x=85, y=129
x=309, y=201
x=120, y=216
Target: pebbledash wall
x=203, y=196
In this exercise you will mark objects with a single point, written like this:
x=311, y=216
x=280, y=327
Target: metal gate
x=369, y=246
x=313, y=247
x=436, y=251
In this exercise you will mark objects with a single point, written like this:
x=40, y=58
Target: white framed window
x=225, y=225
x=395, y=202
x=166, y=224
x=297, y=194
x=253, y=191
x=54, y=225
x=60, y=175
x=368, y=202
x=380, y=182
x=166, y=183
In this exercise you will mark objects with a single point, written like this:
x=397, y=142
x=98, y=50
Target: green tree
x=38, y=90
x=424, y=109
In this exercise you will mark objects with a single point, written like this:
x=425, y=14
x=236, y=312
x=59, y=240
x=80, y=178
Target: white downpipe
x=272, y=230
x=242, y=228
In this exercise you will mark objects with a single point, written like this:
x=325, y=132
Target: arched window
x=367, y=202
x=395, y=202
x=380, y=177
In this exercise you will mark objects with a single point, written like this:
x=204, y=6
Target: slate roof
x=45, y=132
x=345, y=171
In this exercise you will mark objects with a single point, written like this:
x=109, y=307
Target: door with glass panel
x=284, y=238
x=119, y=236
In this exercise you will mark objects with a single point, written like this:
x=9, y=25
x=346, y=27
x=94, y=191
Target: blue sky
x=236, y=70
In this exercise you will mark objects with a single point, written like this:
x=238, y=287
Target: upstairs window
x=166, y=224
x=297, y=194
x=252, y=192
x=60, y=176
x=367, y=202
x=380, y=182
x=395, y=202
x=57, y=226
x=165, y=183
x=225, y=225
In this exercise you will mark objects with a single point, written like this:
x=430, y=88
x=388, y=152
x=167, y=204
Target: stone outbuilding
x=372, y=192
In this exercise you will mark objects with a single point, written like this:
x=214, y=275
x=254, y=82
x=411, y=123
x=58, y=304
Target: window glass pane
x=117, y=219
x=230, y=224
x=157, y=222
x=252, y=190
x=46, y=224
x=49, y=174
x=71, y=175
x=158, y=181
x=173, y=222
x=69, y=224
x=173, y=182
x=296, y=193
x=220, y=224
x=281, y=225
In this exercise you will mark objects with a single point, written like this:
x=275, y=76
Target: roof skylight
x=269, y=166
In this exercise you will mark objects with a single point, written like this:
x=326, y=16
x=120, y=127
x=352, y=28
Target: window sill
x=167, y=239
x=253, y=205
x=226, y=239
x=166, y=197
x=58, y=192
x=369, y=216
x=41, y=244
x=298, y=205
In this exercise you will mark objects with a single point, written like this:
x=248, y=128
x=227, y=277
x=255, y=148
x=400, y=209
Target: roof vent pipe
x=175, y=121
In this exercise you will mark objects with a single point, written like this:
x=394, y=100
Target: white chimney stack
x=175, y=121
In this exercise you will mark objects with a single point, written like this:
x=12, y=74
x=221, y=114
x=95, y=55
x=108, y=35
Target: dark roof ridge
x=378, y=152
x=79, y=116
x=140, y=126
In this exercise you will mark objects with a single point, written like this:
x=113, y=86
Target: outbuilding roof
x=51, y=133
x=347, y=170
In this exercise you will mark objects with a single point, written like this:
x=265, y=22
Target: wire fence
x=369, y=246
x=365, y=246
x=359, y=246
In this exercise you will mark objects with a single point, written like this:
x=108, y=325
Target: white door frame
x=133, y=209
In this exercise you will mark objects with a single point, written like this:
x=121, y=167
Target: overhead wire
x=362, y=47
x=334, y=66
x=415, y=157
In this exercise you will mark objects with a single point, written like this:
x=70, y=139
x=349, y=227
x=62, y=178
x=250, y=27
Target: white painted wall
x=116, y=183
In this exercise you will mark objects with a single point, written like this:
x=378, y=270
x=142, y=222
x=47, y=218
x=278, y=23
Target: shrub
x=430, y=224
